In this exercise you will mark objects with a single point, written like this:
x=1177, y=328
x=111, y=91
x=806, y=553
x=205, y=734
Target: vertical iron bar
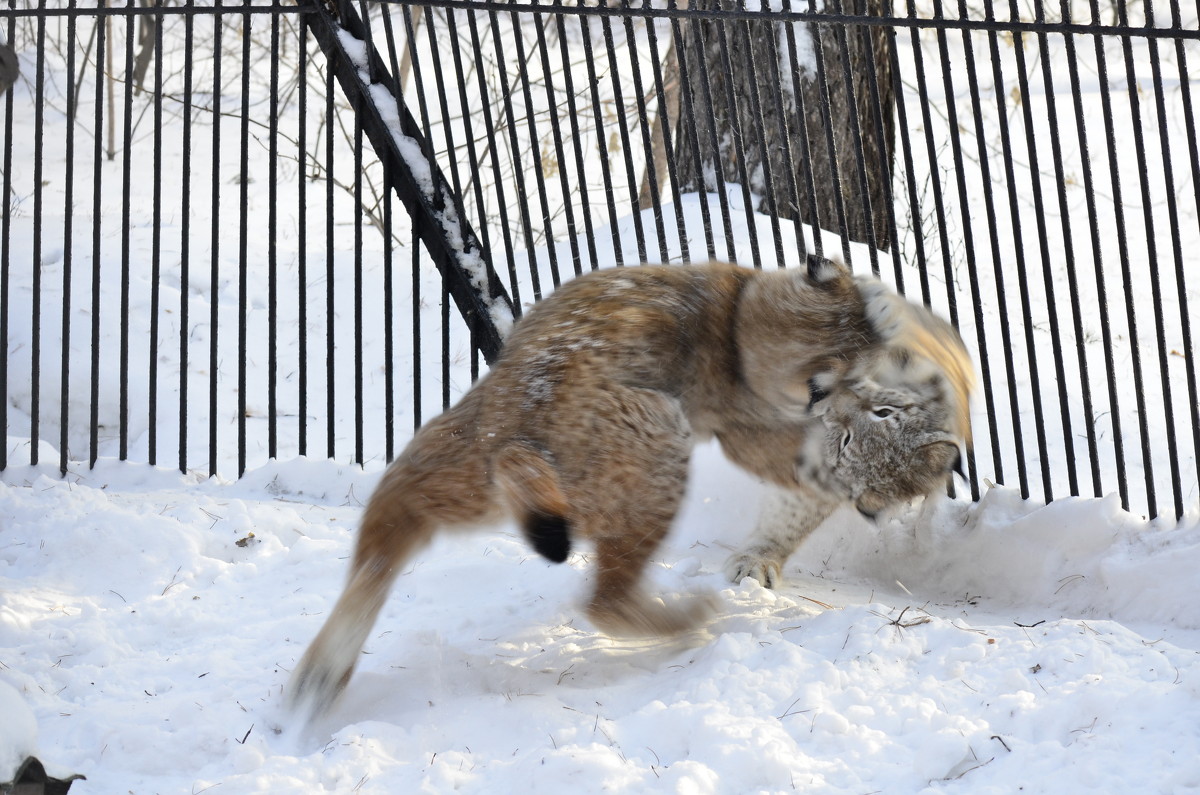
x=389, y=348
x=389, y=401
x=801, y=114
x=1126, y=273
x=358, y=284
x=97, y=179
x=687, y=115
x=564, y=185
x=68, y=253
x=215, y=246
x=1122, y=249
x=888, y=159
x=860, y=162
x=643, y=118
x=735, y=128
x=602, y=145
x=835, y=176
x=185, y=232
x=535, y=149
x=445, y=291
x=243, y=247
x=1189, y=125
x=330, y=276
x=935, y=182
x=1097, y=256
x=998, y=274
x=1019, y=256
x=39, y=111
x=664, y=122
x=623, y=116
x=302, y=237
x=984, y=362
x=916, y=221
x=485, y=104
x=1177, y=257
x=358, y=255
x=1072, y=278
x=417, y=358
x=273, y=244
x=156, y=241
x=1039, y=214
x=792, y=197
x=5, y=252
x=126, y=197
x=522, y=197
x=573, y=115
x=756, y=116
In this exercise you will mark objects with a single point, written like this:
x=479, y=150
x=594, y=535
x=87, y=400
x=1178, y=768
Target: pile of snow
x=18, y=733
x=149, y=620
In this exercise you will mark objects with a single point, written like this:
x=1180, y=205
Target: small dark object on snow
x=31, y=779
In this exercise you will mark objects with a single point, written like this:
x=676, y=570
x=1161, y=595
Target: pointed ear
x=931, y=438
x=957, y=468
x=816, y=394
x=821, y=270
x=940, y=448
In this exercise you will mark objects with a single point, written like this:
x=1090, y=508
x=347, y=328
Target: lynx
x=883, y=440
x=583, y=429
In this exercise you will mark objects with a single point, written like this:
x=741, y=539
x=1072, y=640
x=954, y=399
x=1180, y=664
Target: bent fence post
x=465, y=266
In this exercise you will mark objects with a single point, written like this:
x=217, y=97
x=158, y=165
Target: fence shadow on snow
x=239, y=232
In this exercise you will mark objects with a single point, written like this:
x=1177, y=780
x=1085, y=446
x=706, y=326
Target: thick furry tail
x=530, y=486
x=326, y=667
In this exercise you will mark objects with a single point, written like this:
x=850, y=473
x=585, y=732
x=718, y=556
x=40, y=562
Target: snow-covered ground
x=150, y=619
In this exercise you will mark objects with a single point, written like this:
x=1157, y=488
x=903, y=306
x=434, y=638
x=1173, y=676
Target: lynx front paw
x=637, y=615
x=743, y=565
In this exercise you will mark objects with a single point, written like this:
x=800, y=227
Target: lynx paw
x=743, y=565
x=641, y=616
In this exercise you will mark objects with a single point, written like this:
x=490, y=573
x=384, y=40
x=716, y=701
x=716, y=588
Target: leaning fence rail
x=1030, y=171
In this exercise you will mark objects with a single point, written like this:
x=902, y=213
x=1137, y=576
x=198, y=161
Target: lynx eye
x=883, y=412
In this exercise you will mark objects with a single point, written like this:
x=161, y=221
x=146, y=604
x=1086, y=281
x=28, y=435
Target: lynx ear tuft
x=958, y=468
x=822, y=270
x=816, y=393
x=885, y=311
x=940, y=452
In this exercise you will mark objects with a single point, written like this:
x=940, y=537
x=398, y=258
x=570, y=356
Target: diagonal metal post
x=465, y=266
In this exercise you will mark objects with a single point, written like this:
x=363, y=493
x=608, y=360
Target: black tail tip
x=550, y=536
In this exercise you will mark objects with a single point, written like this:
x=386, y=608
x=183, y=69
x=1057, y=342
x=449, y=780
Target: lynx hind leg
x=627, y=500
x=787, y=518
x=438, y=482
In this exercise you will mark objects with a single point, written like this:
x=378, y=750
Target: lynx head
x=882, y=445
x=895, y=420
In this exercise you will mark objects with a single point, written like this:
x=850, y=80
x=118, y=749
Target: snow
x=149, y=619
x=18, y=732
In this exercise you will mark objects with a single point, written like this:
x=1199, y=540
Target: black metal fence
x=204, y=263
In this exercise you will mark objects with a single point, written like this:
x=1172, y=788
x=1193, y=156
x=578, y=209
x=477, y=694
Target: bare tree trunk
x=670, y=73
x=418, y=14
x=802, y=114
x=110, y=81
x=147, y=31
